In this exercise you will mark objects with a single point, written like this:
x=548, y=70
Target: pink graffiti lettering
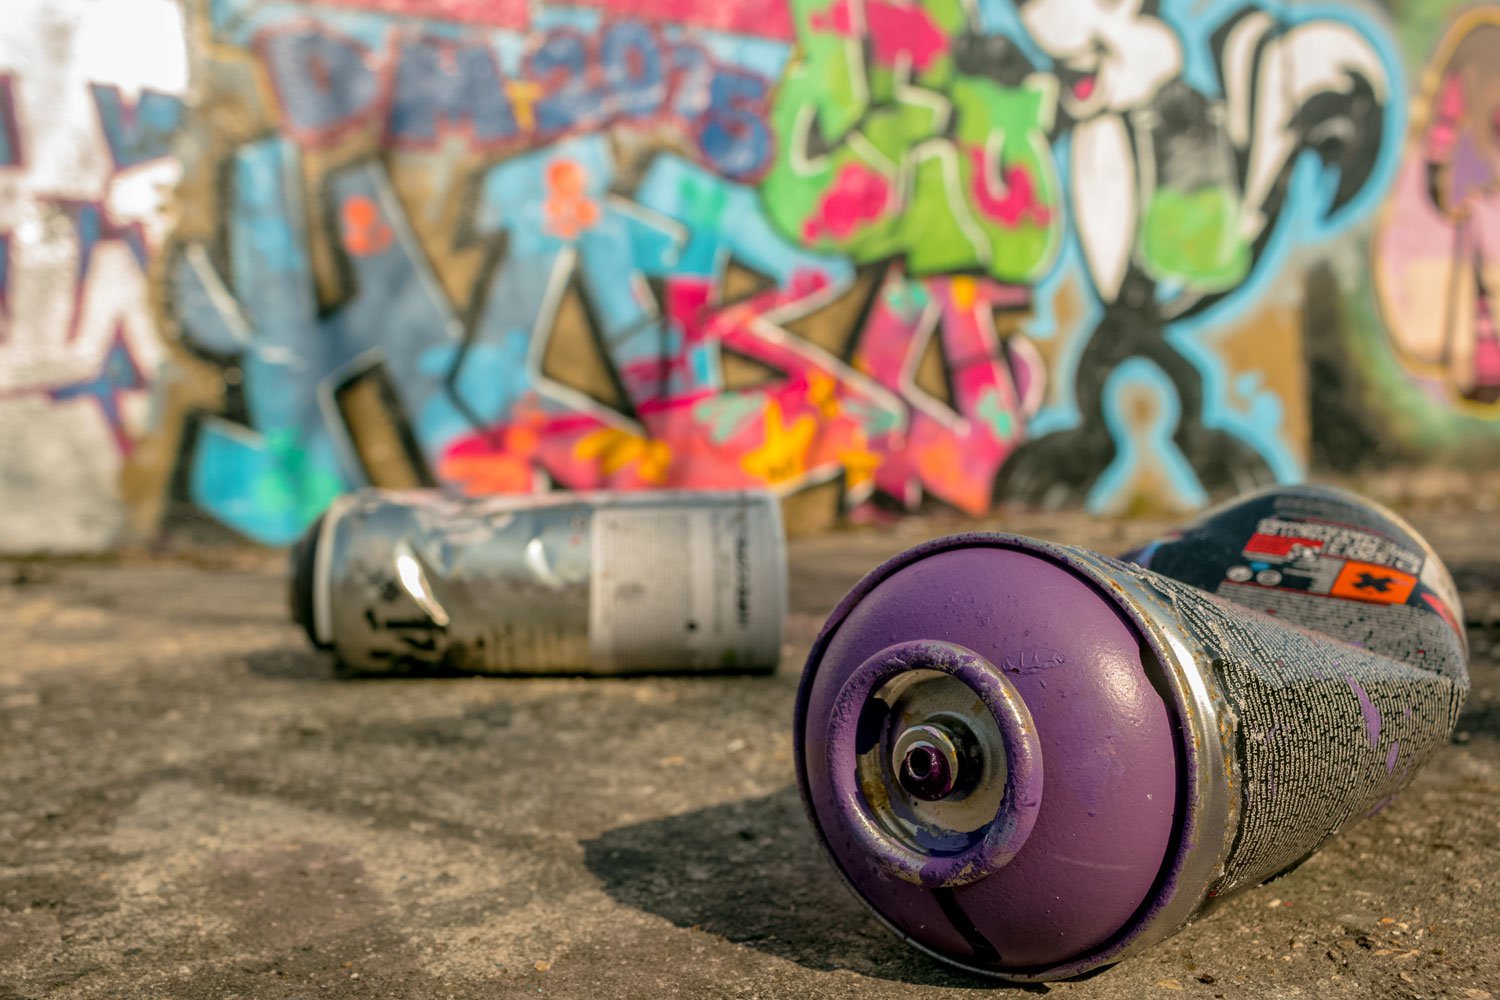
x=816, y=418
x=1017, y=203
x=953, y=453
x=1486, y=346
x=1449, y=107
x=761, y=18
x=857, y=196
x=1435, y=253
x=498, y=13
x=897, y=31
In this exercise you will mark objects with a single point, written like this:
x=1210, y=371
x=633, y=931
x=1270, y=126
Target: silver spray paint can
x=578, y=583
x=1032, y=760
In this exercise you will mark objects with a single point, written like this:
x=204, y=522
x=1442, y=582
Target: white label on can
x=686, y=588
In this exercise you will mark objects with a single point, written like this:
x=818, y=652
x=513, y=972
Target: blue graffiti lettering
x=442, y=84
x=570, y=82
x=140, y=133
x=270, y=475
x=633, y=76
x=324, y=82
x=560, y=66
x=10, y=132
x=733, y=135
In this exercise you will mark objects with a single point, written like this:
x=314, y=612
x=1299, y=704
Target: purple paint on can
x=1371, y=713
x=1106, y=813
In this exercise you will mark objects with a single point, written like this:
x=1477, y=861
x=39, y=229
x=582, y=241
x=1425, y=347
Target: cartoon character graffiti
x=1437, y=249
x=1182, y=164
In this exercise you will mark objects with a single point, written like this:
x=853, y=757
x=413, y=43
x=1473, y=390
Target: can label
x=1310, y=557
x=692, y=580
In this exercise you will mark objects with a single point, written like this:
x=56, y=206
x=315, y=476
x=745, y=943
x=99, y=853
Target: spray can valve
x=927, y=763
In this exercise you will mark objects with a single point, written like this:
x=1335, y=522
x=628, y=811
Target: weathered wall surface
x=1437, y=248
x=873, y=253
x=89, y=99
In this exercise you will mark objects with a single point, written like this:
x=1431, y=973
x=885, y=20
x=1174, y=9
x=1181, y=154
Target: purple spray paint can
x=1031, y=760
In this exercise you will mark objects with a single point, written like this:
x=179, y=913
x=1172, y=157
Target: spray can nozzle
x=930, y=763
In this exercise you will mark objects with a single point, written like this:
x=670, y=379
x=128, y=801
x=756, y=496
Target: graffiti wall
x=887, y=254
x=1437, y=254
x=85, y=172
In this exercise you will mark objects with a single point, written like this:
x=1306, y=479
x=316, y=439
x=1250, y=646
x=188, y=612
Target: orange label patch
x=1363, y=581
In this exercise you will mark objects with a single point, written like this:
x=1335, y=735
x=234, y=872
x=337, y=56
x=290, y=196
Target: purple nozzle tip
x=927, y=773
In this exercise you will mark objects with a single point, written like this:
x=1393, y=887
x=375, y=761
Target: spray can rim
x=1020, y=751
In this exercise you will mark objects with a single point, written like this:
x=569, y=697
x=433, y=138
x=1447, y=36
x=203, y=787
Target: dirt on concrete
x=195, y=806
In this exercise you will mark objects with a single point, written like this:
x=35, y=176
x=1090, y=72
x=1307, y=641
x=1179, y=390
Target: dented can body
x=594, y=583
x=1031, y=760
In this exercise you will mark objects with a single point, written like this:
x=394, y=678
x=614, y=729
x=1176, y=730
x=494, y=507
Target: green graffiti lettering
x=888, y=149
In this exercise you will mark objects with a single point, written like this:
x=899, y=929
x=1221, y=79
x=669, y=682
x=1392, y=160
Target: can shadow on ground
x=317, y=666
x=752, y=873
x=1481, y=720
x=288, y=663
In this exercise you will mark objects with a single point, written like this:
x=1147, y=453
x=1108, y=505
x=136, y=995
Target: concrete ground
x=196, y=807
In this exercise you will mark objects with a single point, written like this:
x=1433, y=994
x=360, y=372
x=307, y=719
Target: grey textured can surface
x=602, y=583
x=1318, y=733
